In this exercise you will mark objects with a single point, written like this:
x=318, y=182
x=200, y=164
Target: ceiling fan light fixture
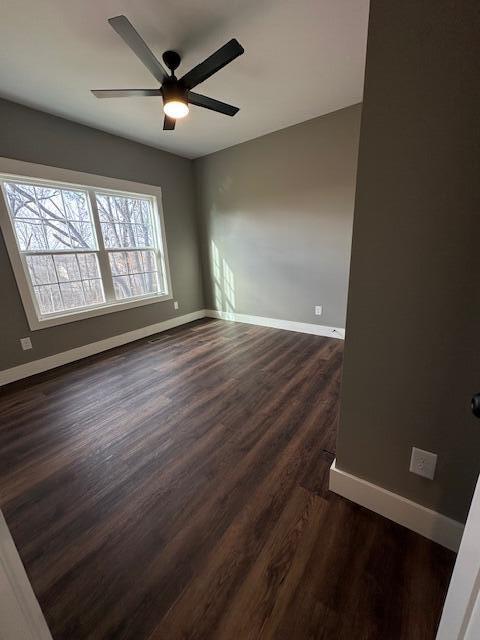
x=176, y=109
x=177, y=94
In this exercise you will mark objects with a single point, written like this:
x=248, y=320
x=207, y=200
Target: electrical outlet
x=26, y=343
x=175, y=305
x=423, y=463
x=318, y=310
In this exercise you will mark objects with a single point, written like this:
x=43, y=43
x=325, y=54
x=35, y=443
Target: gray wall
x=33, y=136
x=279, y=210
x=412, y=357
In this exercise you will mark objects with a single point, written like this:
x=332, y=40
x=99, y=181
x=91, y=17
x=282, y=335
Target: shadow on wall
x=223, y=281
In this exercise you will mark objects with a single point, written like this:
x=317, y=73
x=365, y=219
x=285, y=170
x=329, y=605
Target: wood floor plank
x=177, y=488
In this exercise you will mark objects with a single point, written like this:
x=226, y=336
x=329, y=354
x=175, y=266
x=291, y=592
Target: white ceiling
x=303, y=58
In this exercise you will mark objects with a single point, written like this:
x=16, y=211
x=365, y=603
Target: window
x=83, y=250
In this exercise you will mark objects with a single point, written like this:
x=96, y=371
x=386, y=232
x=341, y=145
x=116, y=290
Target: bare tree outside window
x=49, y=219
x=56, y=234
x=127, y=224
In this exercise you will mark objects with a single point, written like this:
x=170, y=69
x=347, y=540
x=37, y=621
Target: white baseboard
x=428, y=523
x=20, y=614
x=58, y=359
x=65, y=357
x=289, y=325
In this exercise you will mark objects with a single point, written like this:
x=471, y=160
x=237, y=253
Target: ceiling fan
x=177, y=94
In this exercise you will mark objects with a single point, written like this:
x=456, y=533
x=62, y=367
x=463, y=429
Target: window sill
x=52, y=321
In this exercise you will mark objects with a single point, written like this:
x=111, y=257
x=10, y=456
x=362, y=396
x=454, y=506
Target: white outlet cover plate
x=26, y=343
x=318, y=310
x=423, y=463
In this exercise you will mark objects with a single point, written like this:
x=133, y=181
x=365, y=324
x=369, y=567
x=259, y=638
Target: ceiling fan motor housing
x=172, y=90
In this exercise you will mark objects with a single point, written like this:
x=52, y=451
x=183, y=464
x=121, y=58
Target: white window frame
x=16, y=170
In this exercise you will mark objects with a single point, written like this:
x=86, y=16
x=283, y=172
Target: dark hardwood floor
x=178, y=489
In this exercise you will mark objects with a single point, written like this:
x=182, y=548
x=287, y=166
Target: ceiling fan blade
x=128, y=33
x=210, y=103
x=125, y=93
x=169, y=123
x=212, y=64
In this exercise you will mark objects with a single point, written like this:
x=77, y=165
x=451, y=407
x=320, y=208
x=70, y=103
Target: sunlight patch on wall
x=223, y=281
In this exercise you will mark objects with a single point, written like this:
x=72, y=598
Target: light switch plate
x=423, y=463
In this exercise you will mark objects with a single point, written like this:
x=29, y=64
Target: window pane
x=108, y=233
x=48, y=298
x=50, y=217
x=114, y=208
x=50, y=203
x=121, y=285
x=123, y=262
x=146, y=212
x=41, y=268
x=134, y=263
x=149, y=261
x=88, y=265
x=76, y=206
x=107, y=211
x=58, y=235
x=118, y=263
x=30, y=235
x=72, y=294
x=127, y=234
x=119, y=236
x=74, y=277
x=66, y=235
x=93, y=292
x=126, y=222
x=82, y=235
x=144, y=283
x=67, y=267
x=136, y=285
x=151, y=280
x=21, y=200
x=143, y=235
